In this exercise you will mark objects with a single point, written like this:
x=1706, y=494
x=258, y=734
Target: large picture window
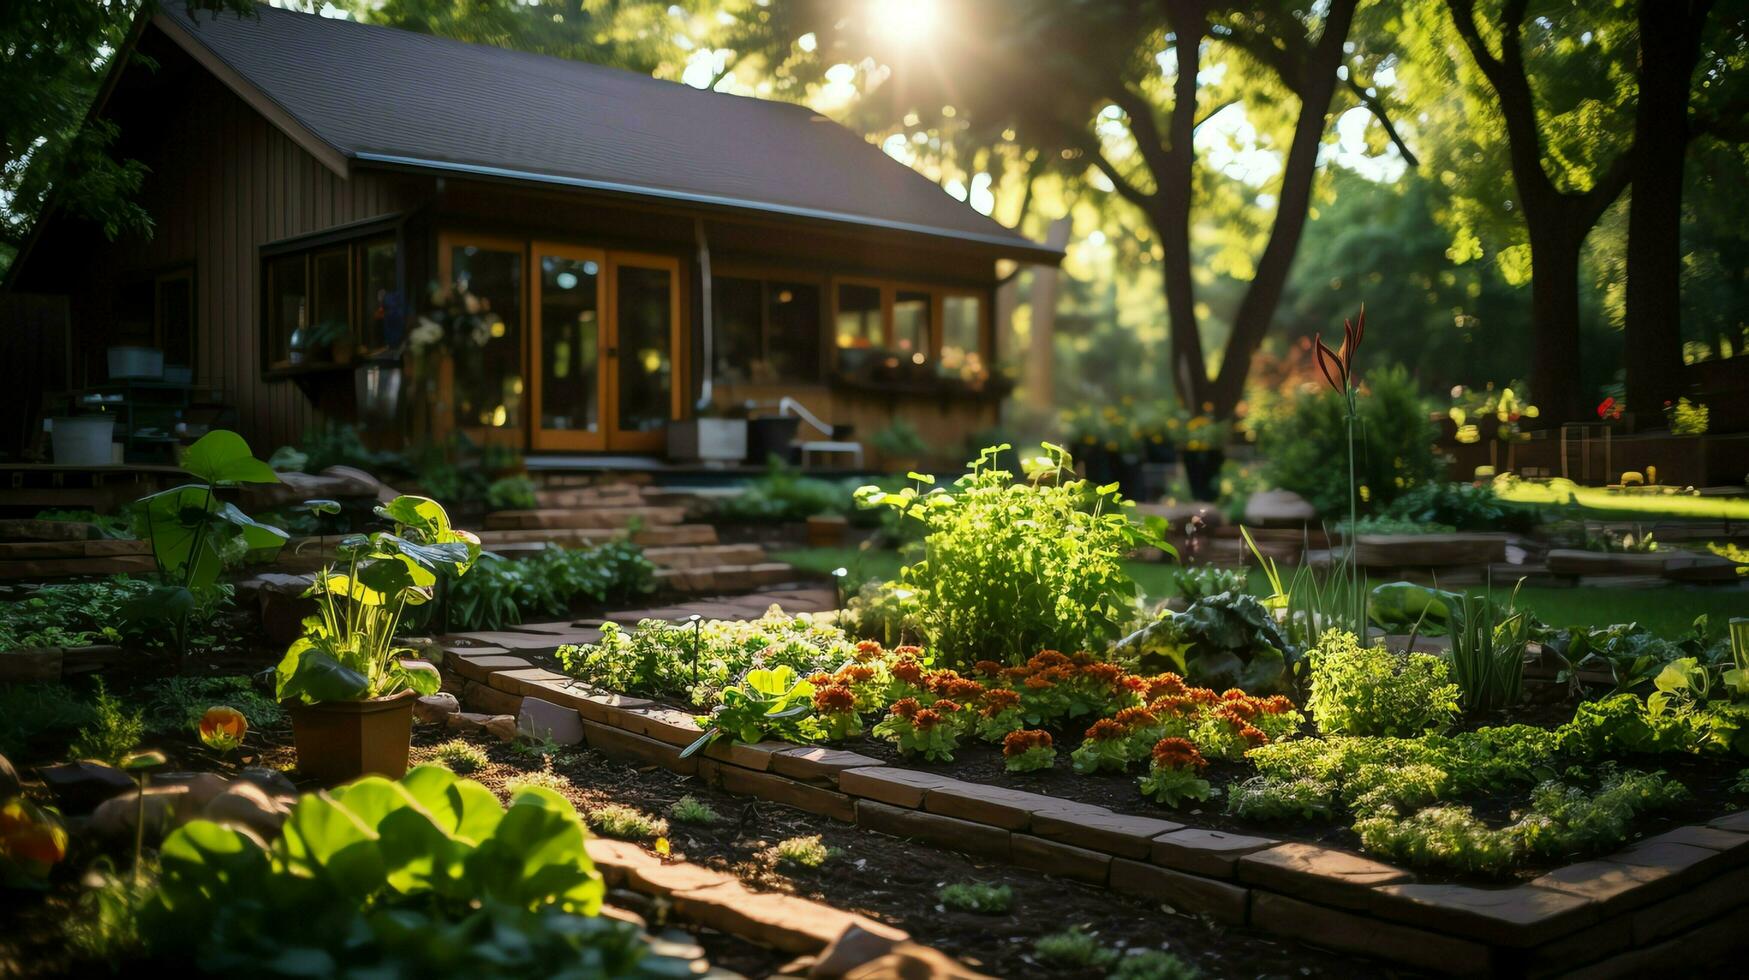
x=325, y=303
x=765, y=330
x=901, y=332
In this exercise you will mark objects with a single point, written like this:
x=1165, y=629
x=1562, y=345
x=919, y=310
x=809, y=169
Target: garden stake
x=838, y=584
x=697, y=625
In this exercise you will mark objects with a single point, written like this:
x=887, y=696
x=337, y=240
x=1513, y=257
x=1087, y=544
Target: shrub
x=1028, y=750
x=625, y=822
x=176, y=704
x=977, y=897
x=1073, y=949
x=113, y=731
x=1371, y=691
x=1201, y=581
x=496, y=592
x=1396, y=454
x=1175, y=773
x=1010, y=568
x=47, y=712
x=1461, y=507
x=511, y=493
x=459, y=756
x=783, y=495
x=1226, y=640
x=691, y=809
x=899, y=440
x=1274, y=798
x=809, y=852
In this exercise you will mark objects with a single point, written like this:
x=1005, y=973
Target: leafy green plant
x=899, y=440
x=806, y=852
x=459, y=756
x=110, y=526
x=1028, y=750
x=497, y=592
x=1201, y=581
x=347, y=652
x=1074, y=949
x=1372, y=691
x=919, y=731
x=175, y=705
x=1009, y=568
x=977, y=897
x=1175, y=773
x=537, y=778
x=113, y=732
x=1404, y=607
x=1270, y=798
x=691, y=809
x=625, y=822
x=1487, y=651
x=1226, y=640
x=771, y=702
x=42, y=713
x=783, y=495
x=511, y=493
x=427, y=876
x=194, y=534
x=1153, y=964
x=1462, y=507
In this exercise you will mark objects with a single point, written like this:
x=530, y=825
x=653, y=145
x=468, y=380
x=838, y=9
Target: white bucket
x=83, y=440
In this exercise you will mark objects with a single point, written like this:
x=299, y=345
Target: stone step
x=659, y=536
x=725, y=578
x=590, y=517
x=674, y=556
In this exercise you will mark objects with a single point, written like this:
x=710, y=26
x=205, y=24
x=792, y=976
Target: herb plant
x=691, y=809
x=1487, y=651
x=1371, y=691
x=625, y=822
x=977, y=897
x=459, y=756
x=807, y=852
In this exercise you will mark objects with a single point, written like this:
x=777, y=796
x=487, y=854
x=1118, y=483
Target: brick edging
x=1679, y=892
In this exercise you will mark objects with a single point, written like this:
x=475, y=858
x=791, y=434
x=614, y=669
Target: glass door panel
x=646, y=308
x=485, y=280
x=568, y=341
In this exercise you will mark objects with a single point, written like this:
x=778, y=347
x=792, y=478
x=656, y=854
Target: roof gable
x=387, y=96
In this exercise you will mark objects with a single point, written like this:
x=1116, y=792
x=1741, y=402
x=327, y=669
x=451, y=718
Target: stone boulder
x=81, y=786
x=1279, y=508
x=436, y=708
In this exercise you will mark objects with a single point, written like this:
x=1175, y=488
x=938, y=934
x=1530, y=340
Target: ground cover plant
x=498, y=592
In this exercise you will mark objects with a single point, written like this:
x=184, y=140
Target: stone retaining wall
x=1675, y=901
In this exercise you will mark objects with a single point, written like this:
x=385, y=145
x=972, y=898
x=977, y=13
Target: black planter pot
x=1202, y=467
x=1159, y=452
x=1099, y=464
x=1127, y=473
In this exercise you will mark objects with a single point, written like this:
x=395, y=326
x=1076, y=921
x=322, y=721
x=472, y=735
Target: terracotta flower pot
x=342, y=740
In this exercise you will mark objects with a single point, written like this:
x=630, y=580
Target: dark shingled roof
x=382, y=95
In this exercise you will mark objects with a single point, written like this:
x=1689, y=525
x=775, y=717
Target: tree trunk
x=1669, y=32
x=1554, y=312
x=1041, y=350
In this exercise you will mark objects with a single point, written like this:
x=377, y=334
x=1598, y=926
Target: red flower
x=1163, y=685
x=989, y=668
x=855, y=674
x=1336, y=364
x=820, y=679
x=945, y=707
x=905, y=707
x=1106, y=730
x=1178, y=753
x=998, y=700
x=925, y=720
x=1253, y=737
x=909, y=671
x=1018, y=742
x=1133, y=718
x=1047, y=658
x=834, y=699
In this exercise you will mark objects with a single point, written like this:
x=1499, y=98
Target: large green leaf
x=313, y=675
x=201, y=858
x=395, y=574
x=536, y=855
x=327, y=841
x=223, y=457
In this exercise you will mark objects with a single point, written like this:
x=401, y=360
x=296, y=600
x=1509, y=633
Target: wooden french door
x=605, y=342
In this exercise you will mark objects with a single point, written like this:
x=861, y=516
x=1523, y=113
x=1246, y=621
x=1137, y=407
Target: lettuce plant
x=767, y=703
x=427, y=876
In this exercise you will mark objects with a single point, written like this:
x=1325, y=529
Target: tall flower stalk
x=1338, y=369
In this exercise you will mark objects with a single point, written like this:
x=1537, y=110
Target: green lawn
x=1667, y=611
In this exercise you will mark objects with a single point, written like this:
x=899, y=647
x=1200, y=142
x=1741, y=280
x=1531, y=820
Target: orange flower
x=1178, y=753
x=1106, y=730
x=1047, y=658
x=1202, y=695
x=935, y=680
x=31, y=838
x=1165, y=684
x=1039, y=682
x=945, y=707
x=909, y=671
x=1279, y=704
x=855, y=674
x=820, y=679
x=1253, y=737
x=868, y=649
x=989, y=668
x=914, y=652
x=1178, y=706
x=925, y=720
x=1000, y=699
x=1018, y=742
x=1242, y=711
x=962, y=689
x=905, y=707
x=834, y=699
x=1133, y=718
x=223, y=727
x=1233, y=694
x=1102, y=673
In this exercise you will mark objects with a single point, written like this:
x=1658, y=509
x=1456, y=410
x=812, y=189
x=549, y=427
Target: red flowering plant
x=1028, y=750
x=906, y=667
x=1105, y=748
x=835, y=708
x=920, y=731
x=1175, y=773
x=867, y=681
x=999, y=714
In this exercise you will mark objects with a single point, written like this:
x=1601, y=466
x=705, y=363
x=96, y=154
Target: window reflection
x=488, y=356
x=962, y=330
x=570, y=329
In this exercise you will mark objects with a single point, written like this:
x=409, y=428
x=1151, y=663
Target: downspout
x=704, y=311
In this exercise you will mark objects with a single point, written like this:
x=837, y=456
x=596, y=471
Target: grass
x=544, y=778
x=691, y=809
x=977, y=897
x=625, y=823
x=1073, y=949
x=459, y=757
x=1666, y=611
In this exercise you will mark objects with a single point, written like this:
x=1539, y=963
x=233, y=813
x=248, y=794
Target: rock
x=275, y=783
x=1279, y=508
x=245, y=803
x=855, y=946
x=80, y=786
x=436, y=708
x=202, y=786
x=165, y=807
x=466, y=721
x=382, y=491
x=540, y=719
x=10, y=784
x=503, y=727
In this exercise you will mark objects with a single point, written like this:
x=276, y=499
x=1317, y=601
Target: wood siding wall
x=223, y=181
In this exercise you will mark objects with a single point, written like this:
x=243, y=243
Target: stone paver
x=480, y=697
x=816, y=763
x=545, y=720
x=1518, y=916
x=622, y=744
x=1736, y=822
x=1058, y=859
x=526, y=680
x=789, y=792
x=755, y=756
x=1094, y=827
x=1691, y=907
x=960, y=835
x=892, y=785
x=663, y=724
x=1611, y=884
x=1010, y=809
x=592, y=703
x=1320, y=874
x=1205, y=852
x=1347, y=932
x=1191, y=894
x=478, y=668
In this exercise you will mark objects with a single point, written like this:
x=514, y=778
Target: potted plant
x=901, y=447
x=345, y=682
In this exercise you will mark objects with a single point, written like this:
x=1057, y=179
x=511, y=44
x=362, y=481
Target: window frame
x=937, y=293
x=824, y=333
x=354, y=238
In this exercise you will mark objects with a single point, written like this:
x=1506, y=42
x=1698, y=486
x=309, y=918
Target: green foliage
x=175, y=705
x=511, y=493
x=1225, y=640
x=1073, y=949
x=1195, y=582
x=899, y=440
x=1462, y=507
x=347, y=652
x=807, y=852
x=977, y=897
x=1404, y=607
x=113, y=732
x=691, y=809
x=657, y=658
x=919, y=733
x=1171, y=786
x=885, y=611
x=625, y=822
x=1271, y=798
x=111, y=527
x=1153, y=964
x=768, y=703
x=1394, y=455
x=539, y=779
x=1631, y=654
x=427, y=876
x=72, y=614
x=1009, y=569
x=783, y=495
x=336, y=443
x=106, y=927
x=460, y=756
x=44, y=713
x=1487, y=652
x=497, y=592
x=1359, y=690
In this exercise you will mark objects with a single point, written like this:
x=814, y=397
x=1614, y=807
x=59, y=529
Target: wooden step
x=588, y=517
x=706, y=556
x=725, y=578
x=660, y=536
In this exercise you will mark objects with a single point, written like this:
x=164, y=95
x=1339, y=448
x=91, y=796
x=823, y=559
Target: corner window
x=321, y=305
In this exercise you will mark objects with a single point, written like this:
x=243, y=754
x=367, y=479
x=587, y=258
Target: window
x=765, y=331
x=322, y=304
x=487, y=351
x=910, y=339
x=962, y=339
x=910, y=333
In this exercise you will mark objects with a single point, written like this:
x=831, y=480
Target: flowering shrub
x=1175, y=773
x=835, y=708
x=920, y=731
x=1028, y=750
